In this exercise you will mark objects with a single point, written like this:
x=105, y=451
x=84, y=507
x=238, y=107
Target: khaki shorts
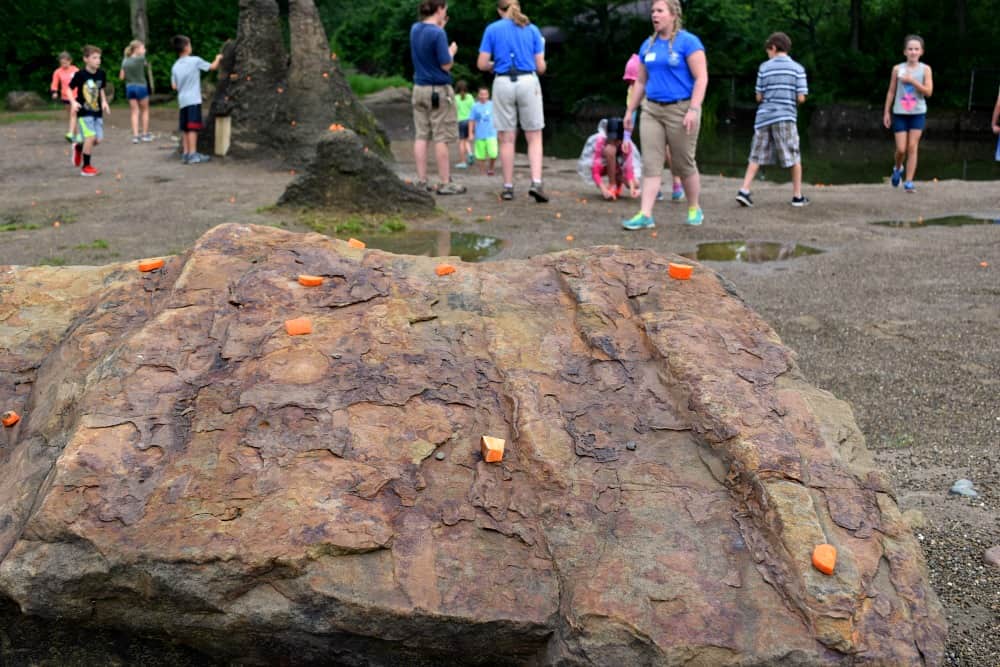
x=663, y=125
x=439, y=125
x=512, y=100
x=778, y=142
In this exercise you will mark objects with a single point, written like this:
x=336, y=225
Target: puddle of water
x=947, y=221
x=468, y=246
x=750, y=251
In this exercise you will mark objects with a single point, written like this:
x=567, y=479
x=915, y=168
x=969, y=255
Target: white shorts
x=520, y=100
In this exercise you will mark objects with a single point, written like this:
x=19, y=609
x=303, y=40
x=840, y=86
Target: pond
x=826, y=160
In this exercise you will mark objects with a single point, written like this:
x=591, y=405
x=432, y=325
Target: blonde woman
x=513, y=49
x=671, y=83
x=133, y=72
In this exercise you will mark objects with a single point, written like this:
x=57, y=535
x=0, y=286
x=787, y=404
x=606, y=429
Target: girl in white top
x=909, y=86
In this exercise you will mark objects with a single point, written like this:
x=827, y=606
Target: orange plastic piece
x=680, y=271
x=336, y=127
x=310, y=281
x=148, y=265
x=354, y=243
x=492, y=448
x=299, y=327
x=10, y=418
x=569, y=238
x=825, y=558
x=444, y=269
x=984, y=264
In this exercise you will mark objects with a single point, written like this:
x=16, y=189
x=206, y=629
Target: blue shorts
x=463, y=129
x=135, y=91
x=191, y=118
x=906, y=122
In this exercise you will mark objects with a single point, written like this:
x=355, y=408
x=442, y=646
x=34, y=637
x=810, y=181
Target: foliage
x=365, y=84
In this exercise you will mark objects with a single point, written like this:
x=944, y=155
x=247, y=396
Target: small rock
x=630, y=445
x=915, y=519
x=992, y=556
x=963, y=487
x=439, y=456
x=24, y=100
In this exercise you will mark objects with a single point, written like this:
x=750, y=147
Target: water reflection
x=946, y=221
x=470, y=247
x=752, y=252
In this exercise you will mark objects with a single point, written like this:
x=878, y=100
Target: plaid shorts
x=778, y=140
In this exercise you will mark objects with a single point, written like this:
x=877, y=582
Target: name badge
x=650, y=57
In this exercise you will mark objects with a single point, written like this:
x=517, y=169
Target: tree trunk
x=281, y=103
x=856, y=7
x=140, y=20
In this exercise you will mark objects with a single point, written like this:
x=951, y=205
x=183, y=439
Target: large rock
x=345, y=175
x=24, y=100
x=184, y=467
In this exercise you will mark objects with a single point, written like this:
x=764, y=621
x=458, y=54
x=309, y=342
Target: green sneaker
x=639, y=221
x=695, y=216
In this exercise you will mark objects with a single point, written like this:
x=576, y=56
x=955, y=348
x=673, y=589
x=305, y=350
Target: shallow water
x=469, y=247
x=947, y=221
x=825, y=160
x=752, y=252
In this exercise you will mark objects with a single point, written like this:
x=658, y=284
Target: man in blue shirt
x=434, y=114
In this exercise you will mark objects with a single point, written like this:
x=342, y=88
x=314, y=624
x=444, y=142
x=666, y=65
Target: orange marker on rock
x=825, y=558
x=492, y=448
x=298, y=327
x=10, y=418
x=147, y=265
x=354, y=243
x=444, y=269
x=310, y=281
x=680, y=271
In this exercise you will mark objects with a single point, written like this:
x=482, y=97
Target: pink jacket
x=60, y=81
x=598, y=168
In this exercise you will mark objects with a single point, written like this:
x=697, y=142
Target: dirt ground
x=902, y=323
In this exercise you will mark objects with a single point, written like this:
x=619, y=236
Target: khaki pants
x=438, y=125
x=663, y=125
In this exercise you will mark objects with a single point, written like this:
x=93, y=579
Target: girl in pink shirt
x=610, y=153
x=60, y=88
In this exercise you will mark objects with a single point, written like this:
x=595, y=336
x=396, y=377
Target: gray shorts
x=520, y=100
x=778, y=142
x=89, y=127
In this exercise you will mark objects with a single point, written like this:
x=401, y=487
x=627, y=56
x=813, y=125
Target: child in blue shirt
x=481, y=127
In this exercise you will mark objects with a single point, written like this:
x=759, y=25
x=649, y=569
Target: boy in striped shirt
x=781, y=87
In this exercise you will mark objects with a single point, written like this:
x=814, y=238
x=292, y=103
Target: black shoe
x=508, y=193
x=744, y=199
x=800, y=201
x=538, y=193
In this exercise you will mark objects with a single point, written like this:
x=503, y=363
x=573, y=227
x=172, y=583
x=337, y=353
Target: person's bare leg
x=912, y=144
x=420, y=157
x=900, y=153
x=611, y=165
x=443, y=159
x=797, y=179
x=751, y=174
x=144, y=111
x=507, y=155
x=534, y=139
x=650, y=186
x=133, y=106
x=692, y=188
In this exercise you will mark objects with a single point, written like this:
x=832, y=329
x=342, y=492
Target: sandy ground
x=902, y=323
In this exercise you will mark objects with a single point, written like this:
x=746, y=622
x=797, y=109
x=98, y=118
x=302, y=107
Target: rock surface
x=347, y=176
x=24, y=100
x=184, y=467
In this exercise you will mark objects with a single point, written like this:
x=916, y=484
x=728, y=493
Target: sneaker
x=89, y=170
x=461, y=165
x=491, y=172
x=659, y=195
x=800, y=201
x=897, y=176
x=77, y=158
x=695, y=216
x=538, y=192
x=197, y=158
x=508, y=193
x=69, y=137
x=908, y=187
x=423, y=185
x=185, y=157
x=678, y=193
x=744, y=199
x=470, y=160
x=639, y=221
x=135, y=139
x=450, y=189
x=146, y=137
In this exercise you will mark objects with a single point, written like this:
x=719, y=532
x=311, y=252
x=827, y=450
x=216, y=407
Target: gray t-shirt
x=186, y=75
x=135, y=70
x=780, y=80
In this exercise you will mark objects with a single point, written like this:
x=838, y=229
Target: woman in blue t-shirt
x=672, y=78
